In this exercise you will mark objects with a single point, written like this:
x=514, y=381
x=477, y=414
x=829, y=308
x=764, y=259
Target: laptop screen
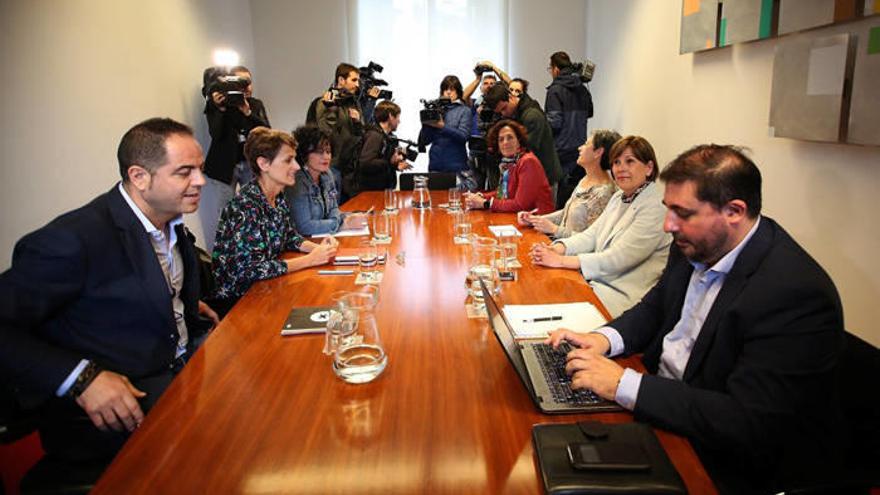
x=501, y=327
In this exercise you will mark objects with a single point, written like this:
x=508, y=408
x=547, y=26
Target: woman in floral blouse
x=255, y=226
x=589, y=198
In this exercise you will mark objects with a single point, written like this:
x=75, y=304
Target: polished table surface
x=254, y=412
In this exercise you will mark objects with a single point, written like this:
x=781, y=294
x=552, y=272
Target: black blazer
x=757, y=397
x=88, y=285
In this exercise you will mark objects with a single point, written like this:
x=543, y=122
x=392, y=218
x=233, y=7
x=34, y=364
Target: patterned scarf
x=506, y=165
x=632, y=197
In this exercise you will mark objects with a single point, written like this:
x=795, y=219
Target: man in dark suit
x=740, y=336
x=100, y=308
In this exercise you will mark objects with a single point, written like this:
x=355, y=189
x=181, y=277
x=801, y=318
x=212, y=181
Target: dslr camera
x=434, y=109
x=369, y=81
x=480, y=69
x=218, y=79
x=410, y=151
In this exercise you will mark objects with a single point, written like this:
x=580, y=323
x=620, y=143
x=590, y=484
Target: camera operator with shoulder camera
x=568, y=106
x=446, y=126
x=380, y=157
x=232, y=112
x=339, y=114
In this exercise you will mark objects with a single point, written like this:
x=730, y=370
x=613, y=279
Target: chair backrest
x=437, y=181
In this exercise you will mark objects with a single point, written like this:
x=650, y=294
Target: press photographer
x=339, y=114
x=232, y=112
x=381, y=156
x=446, y=126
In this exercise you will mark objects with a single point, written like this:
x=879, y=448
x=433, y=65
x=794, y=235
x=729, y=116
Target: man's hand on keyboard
x=590, y=342
x=595, y=372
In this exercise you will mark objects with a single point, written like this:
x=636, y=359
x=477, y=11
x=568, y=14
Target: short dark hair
x=240, y=68
x=310, y=138
x=451, y=82
x=266, y=143
x=642, y=150
x=384, y=110
x=488, y=75
x=343, y=70
x=721, y=173
x=495, y=95
x=525, y=84
x=605, y=139
x=144, y=144
x=560, y=60
x=522, y=135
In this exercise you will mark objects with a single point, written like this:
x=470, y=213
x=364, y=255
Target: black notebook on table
x=610, y=458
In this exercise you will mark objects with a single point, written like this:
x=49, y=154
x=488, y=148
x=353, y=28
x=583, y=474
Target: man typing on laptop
x=740, y=336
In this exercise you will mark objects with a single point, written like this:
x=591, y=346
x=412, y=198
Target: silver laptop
x=542, y=369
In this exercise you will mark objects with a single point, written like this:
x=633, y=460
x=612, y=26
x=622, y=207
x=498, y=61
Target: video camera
x=369, y=81
x=410, y=152
x=480, y=69
x=434, y=109
x=585, y=70
x=339, y=97
x=218, y=79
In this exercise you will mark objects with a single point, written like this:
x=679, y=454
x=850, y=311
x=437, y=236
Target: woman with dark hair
x=590, y=195
x=523, y=184
x=623, y=252
x=315, y=205
x=518, y=86
x=255, y=226
x=448, y=135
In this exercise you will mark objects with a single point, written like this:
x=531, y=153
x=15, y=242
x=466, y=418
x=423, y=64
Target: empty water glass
x=381, y=225
x=508, y=241
x=454, y=199
x=461, y=226
x=390, y=199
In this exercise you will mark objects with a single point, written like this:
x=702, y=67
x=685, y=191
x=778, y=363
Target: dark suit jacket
x=757, y=398
x=89, y=285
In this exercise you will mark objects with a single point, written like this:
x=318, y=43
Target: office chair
x=437, y=181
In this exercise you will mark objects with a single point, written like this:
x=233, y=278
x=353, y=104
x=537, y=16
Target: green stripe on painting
x=722, y=32
x=874, y=41
x=766, y=19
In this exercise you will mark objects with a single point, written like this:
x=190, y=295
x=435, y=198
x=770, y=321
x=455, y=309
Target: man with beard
x=740, y=336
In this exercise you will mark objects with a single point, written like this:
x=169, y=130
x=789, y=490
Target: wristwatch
x=85, y=378
x=486, y=204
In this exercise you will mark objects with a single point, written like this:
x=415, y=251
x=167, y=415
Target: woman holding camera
x=624, y=251
x=314, y=197
x=449, y=134
x=255, y=226
x=523, y=184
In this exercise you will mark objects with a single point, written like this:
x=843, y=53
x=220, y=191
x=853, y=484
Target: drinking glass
x=461, y=226
x=368, y=259
x=390, y=199
x=508, y=242
x=381, y=225
x=483, y=265
x=454, y=199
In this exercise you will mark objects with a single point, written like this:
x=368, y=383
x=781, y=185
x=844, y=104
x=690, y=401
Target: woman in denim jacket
x=314, y=198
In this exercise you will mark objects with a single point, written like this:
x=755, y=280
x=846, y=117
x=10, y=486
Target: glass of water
x=381, y=225
x=390, y=200
x=368, y=259
x=454, y=199
x=461, y=226
x=508, y=241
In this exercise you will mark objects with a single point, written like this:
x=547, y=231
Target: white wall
x=79, y=73
x=823, y=194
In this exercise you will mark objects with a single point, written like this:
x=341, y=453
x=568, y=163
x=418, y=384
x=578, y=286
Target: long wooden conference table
x=254, y=412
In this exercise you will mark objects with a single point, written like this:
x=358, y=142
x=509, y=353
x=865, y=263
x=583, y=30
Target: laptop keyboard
x=553, y=365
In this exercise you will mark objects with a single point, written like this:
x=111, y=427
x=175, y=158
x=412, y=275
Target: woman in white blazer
x=624, y=251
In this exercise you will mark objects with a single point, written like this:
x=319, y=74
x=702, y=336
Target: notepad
x=499, y=230
x=536, y=321
x=312, y=319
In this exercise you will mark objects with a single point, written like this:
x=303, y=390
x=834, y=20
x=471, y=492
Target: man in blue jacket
x=568, y=106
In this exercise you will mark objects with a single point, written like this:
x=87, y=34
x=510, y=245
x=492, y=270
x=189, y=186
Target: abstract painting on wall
x=864, y=115
x=745, y=20
x=798, y=15
x=699, y=25
x=808, y=99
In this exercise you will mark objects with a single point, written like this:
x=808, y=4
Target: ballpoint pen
x=543, y=318
x=335, y=272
